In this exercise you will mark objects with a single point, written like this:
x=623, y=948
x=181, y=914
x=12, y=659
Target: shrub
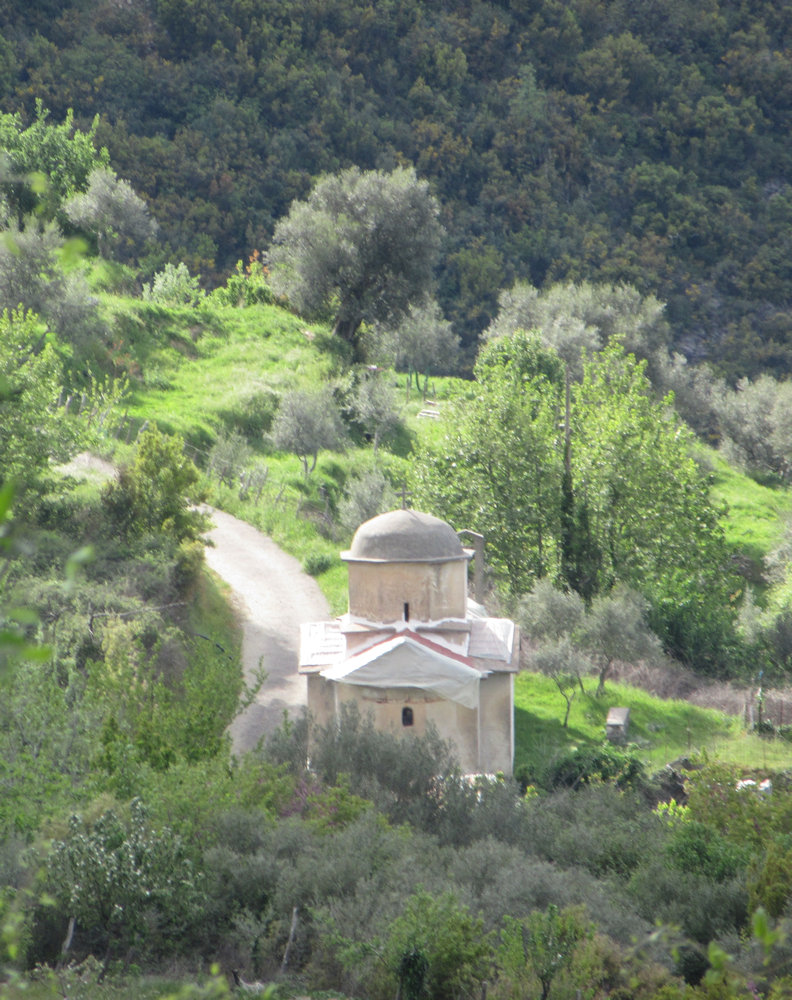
x=247, y=286
x=584, y=765
x=188, y=566
x=600, y=828
x=228, y=457
x=367, y=495
x=316, y=563
x=173, y=285
x=157, y=492
x=435, y=949
x=126, y=884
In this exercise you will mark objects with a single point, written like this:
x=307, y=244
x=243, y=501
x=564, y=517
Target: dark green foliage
x=576, y=143
x=704, y=909
x=585, y=765
x=317, y=562
x=599, y=827
x=368, y=494
x=437, y=949
x=412, y=972
x=694, y=847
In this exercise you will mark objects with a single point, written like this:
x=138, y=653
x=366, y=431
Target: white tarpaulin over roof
x=411, y=661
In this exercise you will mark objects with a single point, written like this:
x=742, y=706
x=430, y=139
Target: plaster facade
x=411, y=650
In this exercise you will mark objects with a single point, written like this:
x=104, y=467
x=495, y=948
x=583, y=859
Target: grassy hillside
x=661, y=730
x=211, y=371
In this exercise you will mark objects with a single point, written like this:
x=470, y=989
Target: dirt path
x=274, y=597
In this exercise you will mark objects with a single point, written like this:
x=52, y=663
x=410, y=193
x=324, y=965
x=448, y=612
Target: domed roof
x=405, y=536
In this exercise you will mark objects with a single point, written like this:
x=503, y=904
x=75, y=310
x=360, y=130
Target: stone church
x=413, y=649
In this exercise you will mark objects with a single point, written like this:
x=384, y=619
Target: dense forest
x=617, y=142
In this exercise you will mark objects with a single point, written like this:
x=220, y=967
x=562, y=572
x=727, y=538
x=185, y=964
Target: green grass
x=48, y=985
x=662, y=730
x=756, y=514
x=191, y=369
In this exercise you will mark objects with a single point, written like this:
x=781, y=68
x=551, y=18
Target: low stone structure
x=617, y=725
x=412, y=649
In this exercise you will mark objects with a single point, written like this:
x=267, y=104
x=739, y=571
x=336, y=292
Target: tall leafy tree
x=655, y=525
x=648, y=500
x=43, y=163
x=363, y=245
x=642, y=507
x=32, y=427
x=498, y=468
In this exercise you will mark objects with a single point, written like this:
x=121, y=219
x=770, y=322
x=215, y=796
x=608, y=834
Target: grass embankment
x=756, y=515
x=662, y=730
x=205, y=372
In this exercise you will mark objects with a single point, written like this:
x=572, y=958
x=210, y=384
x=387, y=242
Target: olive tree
x=306, y=423
x=580, y=319
x=616, y=628
x=32, y=275
x=421, y=344
x=363, y=243
x=110, y=211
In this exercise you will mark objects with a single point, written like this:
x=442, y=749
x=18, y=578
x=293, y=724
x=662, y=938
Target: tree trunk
x=602, y=676
x=346, y=327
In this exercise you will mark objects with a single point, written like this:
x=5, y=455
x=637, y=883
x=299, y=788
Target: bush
x=316, y=563
x=252, y=415
x=247, y=286
x=600, y=828
x=173, y=285
x=367, y=495
x=157, y=492
x=590, y=764
x=703, y=909
x=436, y=949
x=228, y=457
x=126, y=884
x=188, y=566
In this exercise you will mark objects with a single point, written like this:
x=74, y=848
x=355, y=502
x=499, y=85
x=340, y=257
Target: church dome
x=405, y=536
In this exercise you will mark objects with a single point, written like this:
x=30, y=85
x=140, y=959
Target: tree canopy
x=363, y=245
x=627, y=499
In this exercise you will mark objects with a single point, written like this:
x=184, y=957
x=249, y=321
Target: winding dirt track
x=273, y=598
